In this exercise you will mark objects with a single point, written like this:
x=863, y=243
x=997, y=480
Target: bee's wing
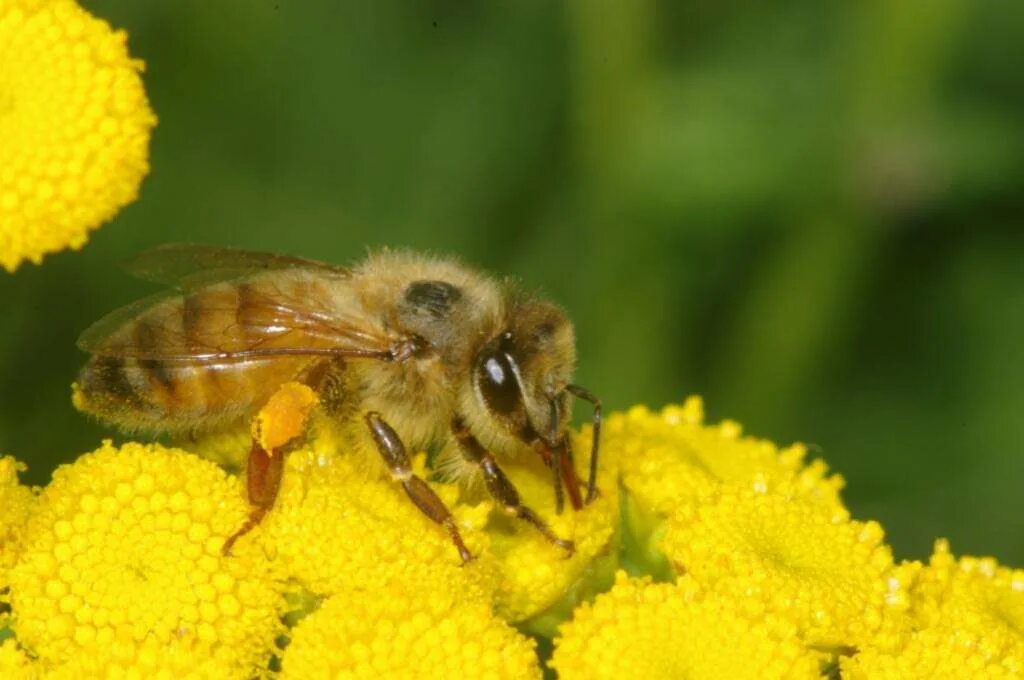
x=190, y=265
x=156, y=328
x=101, y=337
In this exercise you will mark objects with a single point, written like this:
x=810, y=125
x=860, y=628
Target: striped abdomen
x=168, y=367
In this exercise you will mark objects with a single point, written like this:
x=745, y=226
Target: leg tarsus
x=433, y=507
x=501, y=487
x=526, y=514
x=263, y=479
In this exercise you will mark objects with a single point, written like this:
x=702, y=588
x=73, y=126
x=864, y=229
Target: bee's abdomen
x=150, y=376
x=170, y=368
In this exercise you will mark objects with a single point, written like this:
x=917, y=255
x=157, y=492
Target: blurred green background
x=808, y=212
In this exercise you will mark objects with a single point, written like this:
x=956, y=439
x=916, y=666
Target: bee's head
x=520, y=375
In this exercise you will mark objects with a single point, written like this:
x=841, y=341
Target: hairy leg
x=283, y=419
x=392, y=450
x=263, y=478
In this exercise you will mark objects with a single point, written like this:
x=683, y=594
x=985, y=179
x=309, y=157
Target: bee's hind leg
x=501, y=487
x=393, y=451
x=263, y=479
x=281, y=421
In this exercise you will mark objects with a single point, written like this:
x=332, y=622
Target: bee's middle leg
x=393, y=451
x=501, y=487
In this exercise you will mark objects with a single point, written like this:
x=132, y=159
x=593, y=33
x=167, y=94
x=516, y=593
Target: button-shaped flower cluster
x=116, y=567
x=74, y=127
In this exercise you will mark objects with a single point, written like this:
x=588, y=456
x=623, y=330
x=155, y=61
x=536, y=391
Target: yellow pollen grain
x=284, y=417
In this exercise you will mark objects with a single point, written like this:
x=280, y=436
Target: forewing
x=101, y=337
x=191, y=265
x=269, y=326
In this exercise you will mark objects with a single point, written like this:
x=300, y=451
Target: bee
x=418, y=350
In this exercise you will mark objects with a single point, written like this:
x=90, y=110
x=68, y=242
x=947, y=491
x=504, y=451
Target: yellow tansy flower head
x=74, y=127
x=407, y=630
x=123, y=557
x=651, y=631
x=970, y=618
x=117, y=569
x=671, y=458
x=831, y=577
x=16, y=503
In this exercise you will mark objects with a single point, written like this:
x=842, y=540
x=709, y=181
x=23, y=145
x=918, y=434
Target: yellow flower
x=650, y=631
x=973, y=590
x=14, y=663
x=671, y=459
x=939, y=653
x=970, y=618
x=833, y=578
x=116, y=569
x=74, y=127
x=123, y=560
x=410, y=629
x=16, y=503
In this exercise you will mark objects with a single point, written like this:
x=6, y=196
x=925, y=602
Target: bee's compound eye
x=498, y=383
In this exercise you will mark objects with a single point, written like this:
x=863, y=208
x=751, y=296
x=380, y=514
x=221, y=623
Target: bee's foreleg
x=501, y=487
x=263, y=479
x=393, y=451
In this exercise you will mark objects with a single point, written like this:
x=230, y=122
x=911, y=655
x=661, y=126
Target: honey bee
x=422, y=350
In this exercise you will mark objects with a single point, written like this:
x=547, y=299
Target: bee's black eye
x=498, y=383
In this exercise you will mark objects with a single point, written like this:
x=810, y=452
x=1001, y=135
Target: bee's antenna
x=586, y=395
